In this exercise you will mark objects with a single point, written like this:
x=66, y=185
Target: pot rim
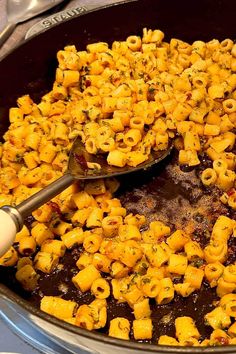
x=45, y=29
x=10, y=296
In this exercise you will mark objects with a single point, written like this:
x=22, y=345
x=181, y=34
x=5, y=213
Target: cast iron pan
x=168, y=193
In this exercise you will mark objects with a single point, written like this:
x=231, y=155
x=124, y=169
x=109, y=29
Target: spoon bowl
x=78, y=164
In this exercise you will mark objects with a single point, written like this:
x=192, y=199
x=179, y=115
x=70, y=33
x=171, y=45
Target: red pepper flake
x=222, y=340
x=55, y=207
x=87, y=83
x=188, y=95
x=231, y=192
x=112, y=222
x=80, y=159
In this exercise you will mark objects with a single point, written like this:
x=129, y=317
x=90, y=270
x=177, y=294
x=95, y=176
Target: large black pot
x=30, y=69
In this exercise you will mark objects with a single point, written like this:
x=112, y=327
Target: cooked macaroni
x=126, y=101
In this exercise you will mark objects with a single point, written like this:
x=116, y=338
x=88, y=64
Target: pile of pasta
x=126, y=101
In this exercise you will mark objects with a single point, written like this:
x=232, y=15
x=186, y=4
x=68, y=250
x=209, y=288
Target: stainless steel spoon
x=12, y=218
x=21, y=10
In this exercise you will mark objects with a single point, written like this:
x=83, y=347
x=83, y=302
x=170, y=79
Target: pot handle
x=67, y=14
x=6, y=32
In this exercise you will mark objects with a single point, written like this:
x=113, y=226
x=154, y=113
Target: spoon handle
x=12, y=218
x=6, y=32
x=8, y=230
x=44, y=195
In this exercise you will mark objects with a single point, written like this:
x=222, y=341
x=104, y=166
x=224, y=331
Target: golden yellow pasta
x=58, y=307
x=27, y=277
x=186, y=328
x=85, y=278
x=142, y=309
x=218, y=318
x=142, y=329
x=45, y=262
x=100, y=288
x=124, y=101
x=119, y=328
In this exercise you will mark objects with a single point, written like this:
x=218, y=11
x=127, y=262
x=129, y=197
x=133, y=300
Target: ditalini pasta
x=125, y=101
